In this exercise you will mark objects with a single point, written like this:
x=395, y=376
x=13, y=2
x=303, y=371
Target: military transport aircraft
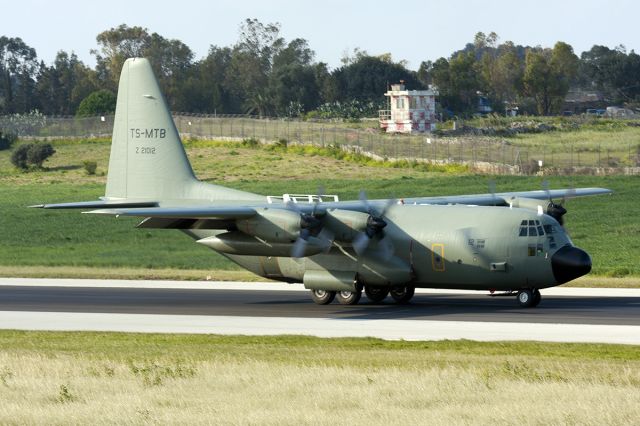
x=512, y=243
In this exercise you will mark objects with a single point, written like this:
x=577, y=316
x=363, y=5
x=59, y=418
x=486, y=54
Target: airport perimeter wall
x=483, y=154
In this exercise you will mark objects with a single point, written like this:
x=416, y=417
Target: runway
x=585, y=315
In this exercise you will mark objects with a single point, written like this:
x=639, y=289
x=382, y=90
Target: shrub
x=19, y=156
x=38, y=153
x=250, y=142
x=90, y=167
x=31, y=154
x=6, y=140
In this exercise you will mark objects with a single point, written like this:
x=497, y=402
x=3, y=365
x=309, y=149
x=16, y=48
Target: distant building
x=410, y=111
x=579, y=101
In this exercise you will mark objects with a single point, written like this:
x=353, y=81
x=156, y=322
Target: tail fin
x=147, y=159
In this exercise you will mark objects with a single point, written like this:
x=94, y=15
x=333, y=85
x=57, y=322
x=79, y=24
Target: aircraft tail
x=148, y=160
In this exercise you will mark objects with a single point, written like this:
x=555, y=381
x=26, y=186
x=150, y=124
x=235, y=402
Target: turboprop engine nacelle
x=345, y=224
x=275, y=225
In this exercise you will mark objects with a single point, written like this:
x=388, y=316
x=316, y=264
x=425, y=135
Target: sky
x=410, y=30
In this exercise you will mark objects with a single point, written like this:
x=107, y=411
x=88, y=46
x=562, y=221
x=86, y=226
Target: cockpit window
x=549, y=229
x=531, y=228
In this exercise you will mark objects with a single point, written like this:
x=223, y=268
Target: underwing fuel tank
x=241, y=243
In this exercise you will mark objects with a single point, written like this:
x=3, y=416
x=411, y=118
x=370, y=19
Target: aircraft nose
x=569, y=263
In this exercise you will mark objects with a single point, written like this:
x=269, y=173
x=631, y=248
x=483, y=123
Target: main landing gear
x=401, y=295
x=529, y=297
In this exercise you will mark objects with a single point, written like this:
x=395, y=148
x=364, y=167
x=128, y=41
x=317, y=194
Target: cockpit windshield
x=532, y=228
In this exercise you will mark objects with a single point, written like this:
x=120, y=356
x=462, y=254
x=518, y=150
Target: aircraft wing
x=501, y=198
x=220, y=217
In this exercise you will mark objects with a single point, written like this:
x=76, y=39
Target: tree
x=115, y=46
x=548, y=75
x=500, y=71
x=293, y=79
x=368, y=78
x=99, y=102
x=62, y=86
x=170, y=59
x=252, y=59
x=613, y=71
x=18, y=72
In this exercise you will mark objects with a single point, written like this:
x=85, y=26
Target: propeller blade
x=363, y=198
x=545, y=188
x=385, y=249
x=326, y=238
x=492, y=190
x=360, y=243
x=298, y=249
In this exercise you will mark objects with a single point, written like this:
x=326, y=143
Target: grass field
x=607, y=227
x=111, y=378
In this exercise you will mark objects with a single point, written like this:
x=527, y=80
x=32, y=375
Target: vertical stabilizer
x=147, y=157
x=148, y=160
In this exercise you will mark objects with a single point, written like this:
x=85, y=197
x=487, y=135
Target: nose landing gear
x=529, y=297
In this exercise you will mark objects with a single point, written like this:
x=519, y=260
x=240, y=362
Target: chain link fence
x=481, y=154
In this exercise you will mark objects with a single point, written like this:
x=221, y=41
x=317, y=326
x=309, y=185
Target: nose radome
x=569, y=263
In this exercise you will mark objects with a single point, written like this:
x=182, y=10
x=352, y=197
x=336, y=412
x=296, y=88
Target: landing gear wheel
x=376, y=294
x=349, y=297
x=537, y=297
x=526, y=298
x=323, y=297
x=402, y=295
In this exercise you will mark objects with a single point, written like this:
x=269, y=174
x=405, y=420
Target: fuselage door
x=437, y=257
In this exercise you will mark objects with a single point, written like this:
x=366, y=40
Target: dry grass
x=313, y=381
x=126, y=273
x=217, y=162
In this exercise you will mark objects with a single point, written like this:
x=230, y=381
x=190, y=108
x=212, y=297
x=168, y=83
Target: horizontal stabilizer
x=97, y=205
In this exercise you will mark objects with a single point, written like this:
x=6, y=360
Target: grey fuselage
x=440, y=246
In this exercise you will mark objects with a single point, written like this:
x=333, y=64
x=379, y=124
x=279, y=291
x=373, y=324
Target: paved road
x=297, y=304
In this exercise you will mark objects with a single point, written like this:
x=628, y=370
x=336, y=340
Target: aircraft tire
x=526, y=298
x=404, y=294
x=537, y=297
x=376, y=294
x=323, y=297
x=349, y=297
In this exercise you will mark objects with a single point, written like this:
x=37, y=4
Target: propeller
x=311, y=229
x=556, y=211
x=492, y=191
x=374, y=230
